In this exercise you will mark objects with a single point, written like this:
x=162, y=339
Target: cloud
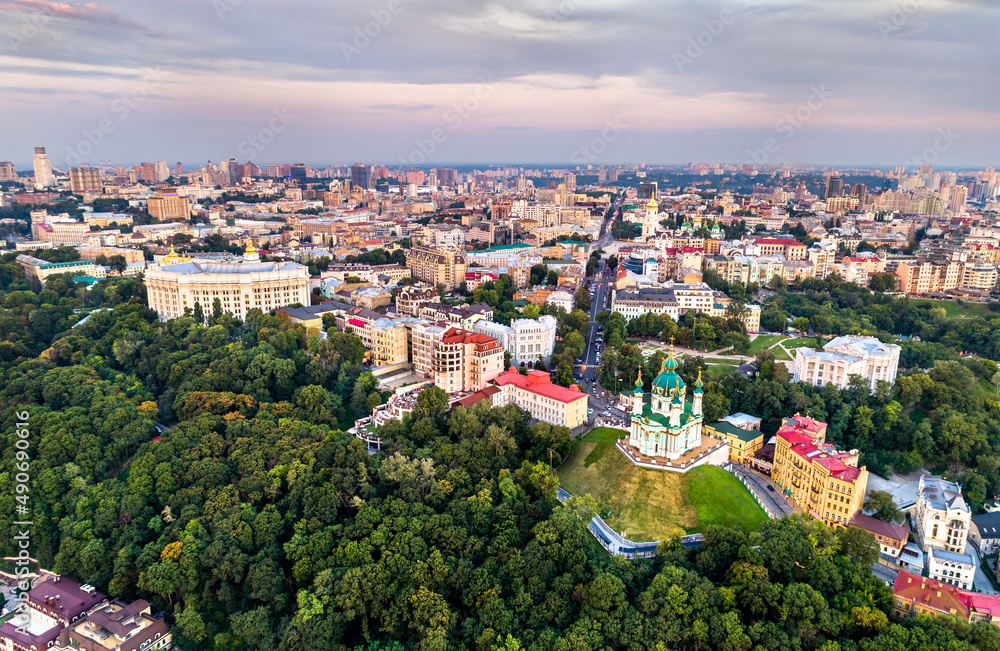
x=85, y=13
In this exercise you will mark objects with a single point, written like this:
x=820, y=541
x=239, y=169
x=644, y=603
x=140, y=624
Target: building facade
x=443, y=265
x=941, y=516
x=177, y=284
x=846, y=356
x=527, y=340
x=951, y=568
x=545, y=401
x=825, y=482
x=169, y=206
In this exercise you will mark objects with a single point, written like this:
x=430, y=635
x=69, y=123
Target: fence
x=729, y=468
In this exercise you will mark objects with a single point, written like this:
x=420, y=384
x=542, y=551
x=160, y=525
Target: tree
x=199, y=313
x=881, y=505
x=552, y=279
x=117, y=264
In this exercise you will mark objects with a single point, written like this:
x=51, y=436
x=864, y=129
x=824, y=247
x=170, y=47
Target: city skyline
x=560, y=83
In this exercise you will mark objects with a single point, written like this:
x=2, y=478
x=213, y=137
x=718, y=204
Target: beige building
x=825, y=482
x=94, y=252
x=545, y=401
x=941, y=516
x=169, y=206
x=177, y=284
x=85, y=179
x=443, y=265
x=409, y=299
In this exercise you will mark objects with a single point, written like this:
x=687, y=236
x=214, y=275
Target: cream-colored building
x=169, y=206
x=177, y=284
x=409, y=299
x=35, y=268
x=846, y=356
x=941, y=516
x=443, y=265
x=951, y=568
x=545, y=401
x=527, y=340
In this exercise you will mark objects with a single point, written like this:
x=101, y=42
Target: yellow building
x=742, y=443
x=442, y=265
x=823, y=481
x=177, y=284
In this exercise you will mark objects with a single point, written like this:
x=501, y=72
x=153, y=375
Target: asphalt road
x=602, y=281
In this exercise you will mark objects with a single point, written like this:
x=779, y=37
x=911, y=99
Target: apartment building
x=527, y=340
x=827, y=483
x=409, y=299
x=846, y=356
x=942, y=518
x=743, y=443
x=788, y=248
x=465, y=361
x=61, y=232
x=167, y=206
x=464, y=316
x=441, y=265
x=85, y=179
x=545, y=401
x=94, y=252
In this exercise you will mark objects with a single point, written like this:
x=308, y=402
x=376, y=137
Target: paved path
x=980, y=581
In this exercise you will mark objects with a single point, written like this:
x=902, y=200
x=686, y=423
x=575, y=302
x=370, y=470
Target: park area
x=647, y=504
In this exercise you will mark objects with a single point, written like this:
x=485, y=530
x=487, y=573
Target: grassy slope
x=647, y=504
x=764, y=341
x=953, y=309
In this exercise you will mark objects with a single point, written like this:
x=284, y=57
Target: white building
x=941, y=516
x=561, y=299
x=527, y=340
x=43, y=170
x=844, y=357
x=179, y=283
x=954, y=569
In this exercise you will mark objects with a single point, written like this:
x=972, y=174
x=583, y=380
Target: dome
x=638, y=382
x=652, y=205
x=668, y=380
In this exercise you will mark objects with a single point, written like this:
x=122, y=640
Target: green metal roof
x=731, y=430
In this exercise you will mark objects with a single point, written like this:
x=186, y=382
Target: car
x=770, y=488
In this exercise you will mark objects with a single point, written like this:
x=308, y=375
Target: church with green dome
x=668, y=426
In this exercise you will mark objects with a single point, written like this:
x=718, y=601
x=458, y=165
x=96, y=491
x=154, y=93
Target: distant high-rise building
x=148, y=172
x=959, y=194
x=447, y=177
x=647, y=189
x=298, y=173
x=178, y=170
x=570, y=181
x=834, y=186
x=168, y=206
x=273, y=170
x=800, y=192
x=7, y=171
x=43, y=170
x=926, y=169
x=85, y=179
x=360, y=176
x=162, y=171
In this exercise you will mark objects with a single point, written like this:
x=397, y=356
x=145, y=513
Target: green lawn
x=646, y=503
x=764, y=341
x=801, y=342
x=715, y=372
x=779, y=353
x=953, y=309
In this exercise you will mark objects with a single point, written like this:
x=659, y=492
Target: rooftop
x=540, y=383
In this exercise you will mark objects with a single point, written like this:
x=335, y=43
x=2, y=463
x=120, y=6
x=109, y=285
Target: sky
x=558, y=82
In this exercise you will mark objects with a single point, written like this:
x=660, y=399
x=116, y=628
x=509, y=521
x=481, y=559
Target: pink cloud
x=89, y=12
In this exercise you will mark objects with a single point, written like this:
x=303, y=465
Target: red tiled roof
x=539, y=383
x=940, y=596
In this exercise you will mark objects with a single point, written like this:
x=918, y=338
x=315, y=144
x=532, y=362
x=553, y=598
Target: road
x=602, y=281
x=772, y=498
x=980, y=581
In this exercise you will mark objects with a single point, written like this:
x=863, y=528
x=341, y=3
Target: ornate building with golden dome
x=668, y=426
x=178, y=283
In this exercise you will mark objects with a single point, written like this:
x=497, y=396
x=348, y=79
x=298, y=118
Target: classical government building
x=844, y=357
x=667, y=431
x=178, y=283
